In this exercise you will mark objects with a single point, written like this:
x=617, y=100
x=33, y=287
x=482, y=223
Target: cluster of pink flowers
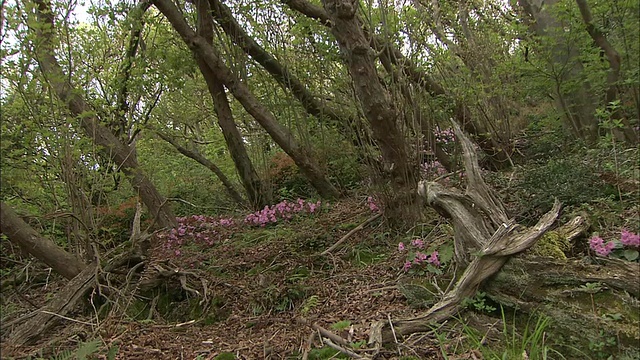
x=432, y=169
x=597, y=244
x=197, y=227
x=444, y=136
x=627, y=238
x=371, y=202
x=419, y=257
x=281, y=210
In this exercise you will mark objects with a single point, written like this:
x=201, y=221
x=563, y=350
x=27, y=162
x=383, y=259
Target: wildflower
x=606, y=249
x=401, y=247
x=372, y=205
x=407, y=266
x=433, y=259
x=629, y=239
x=418, y=243
x=420, y=258
x=177, y=252
x=596, y=242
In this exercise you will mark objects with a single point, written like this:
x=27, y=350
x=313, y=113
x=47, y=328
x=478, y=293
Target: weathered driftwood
x=484, y=238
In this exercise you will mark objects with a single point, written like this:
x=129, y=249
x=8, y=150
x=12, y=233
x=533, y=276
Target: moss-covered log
x=593, y=305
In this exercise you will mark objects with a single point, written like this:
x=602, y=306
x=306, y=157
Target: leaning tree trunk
x=256, y=190
x=43, y=249
x=281, y=135
x=123, y=155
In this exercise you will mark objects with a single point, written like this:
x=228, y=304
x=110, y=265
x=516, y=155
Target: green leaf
x=631, y=255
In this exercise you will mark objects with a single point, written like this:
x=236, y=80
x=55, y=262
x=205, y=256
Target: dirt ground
x=265, y=289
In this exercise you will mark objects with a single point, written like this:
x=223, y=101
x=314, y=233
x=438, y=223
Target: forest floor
x=266, y=286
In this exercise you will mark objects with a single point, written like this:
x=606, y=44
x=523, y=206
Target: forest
x=320, y=179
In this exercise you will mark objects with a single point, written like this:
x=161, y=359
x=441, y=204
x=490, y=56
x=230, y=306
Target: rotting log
x=587, y=301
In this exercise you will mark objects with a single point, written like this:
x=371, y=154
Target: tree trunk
x=578, y=105
x=43, y=249
x=123, y=155
x=376, y=102
x=253, y=185
x=614, y=64
x=280, y=73
x=197, y=156
x=498, y=154
x=282, y=136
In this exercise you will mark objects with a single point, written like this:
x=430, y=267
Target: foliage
x=552, y=244
x=625, y=248
x=519, y=342
x=571, y=181
x=479, y=302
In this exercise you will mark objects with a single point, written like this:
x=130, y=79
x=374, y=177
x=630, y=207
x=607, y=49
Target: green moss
x=552, y=245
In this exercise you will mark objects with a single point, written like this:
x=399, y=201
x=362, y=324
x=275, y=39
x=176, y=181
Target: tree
x=41, y=248
x=262, y=115
x=123, y=155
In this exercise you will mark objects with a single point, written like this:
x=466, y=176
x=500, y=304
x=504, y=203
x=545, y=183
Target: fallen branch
x=63, y=303
x=328, y=334
x=350, y=233
x=347, y=352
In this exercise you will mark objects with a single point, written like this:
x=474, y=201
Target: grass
x=529, y=342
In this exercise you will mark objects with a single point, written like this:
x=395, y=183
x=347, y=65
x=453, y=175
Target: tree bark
x=43, y=249
x=197, y=156
x=253, y=185
x=498, y=154
x=123, y=155
x=280, y=73
x=282, y=136
x=376, y=102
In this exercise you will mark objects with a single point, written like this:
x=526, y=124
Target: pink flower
x=606, y=249
x=407, y=266
x=372, y=205
x=595, y=242
x=418, y=243
x=629, y=239
x=433, y=259
x=401, y=247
